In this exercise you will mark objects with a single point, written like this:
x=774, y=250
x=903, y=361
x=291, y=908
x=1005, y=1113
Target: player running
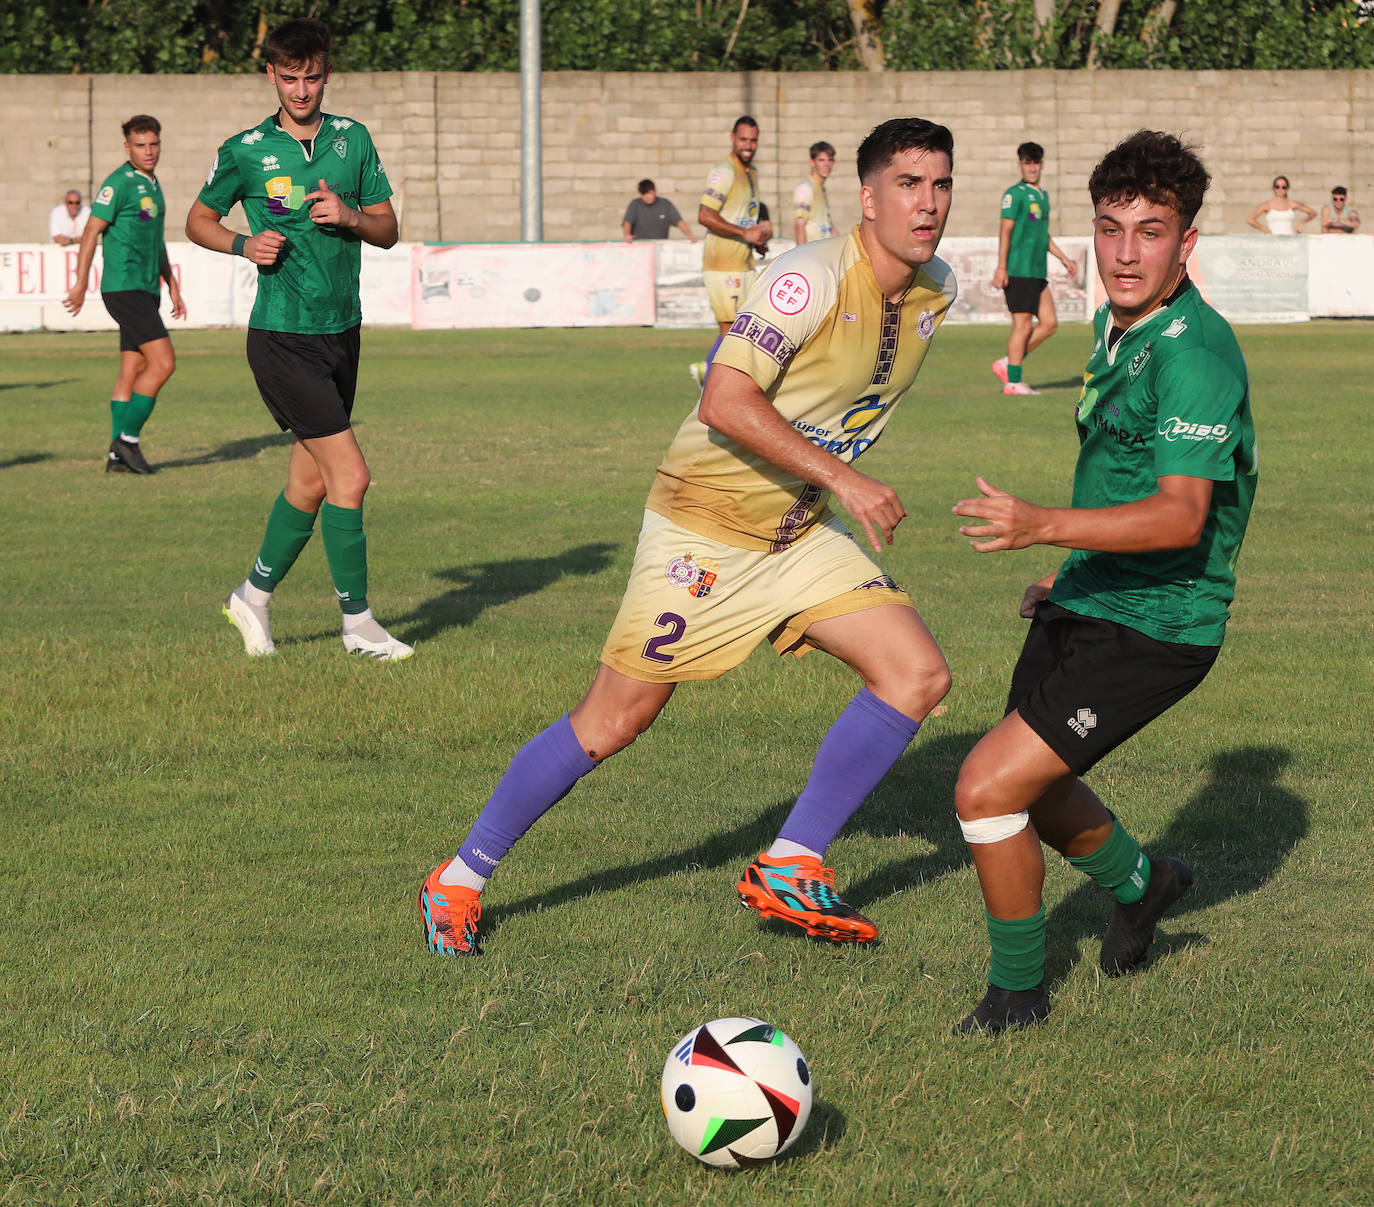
x=1134, y=619
x=739, y=544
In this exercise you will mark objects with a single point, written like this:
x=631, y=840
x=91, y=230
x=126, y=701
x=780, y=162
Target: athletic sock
x=1118, y=864
x=867, y=738
x=117, y=410
x=345, y=548
x=288, y=530
x=257, y=602
x=366, y=624
x=542, y=773
x=1013, y=376
x=136, y=413
x=784, y=848
x=1018, y=951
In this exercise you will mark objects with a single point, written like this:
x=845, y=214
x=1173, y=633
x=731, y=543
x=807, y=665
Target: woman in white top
x=1282, y=213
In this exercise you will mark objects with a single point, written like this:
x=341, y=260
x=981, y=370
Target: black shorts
x=1085, y=685
x=307, y=381
x=136, y=312
x=1023, y=294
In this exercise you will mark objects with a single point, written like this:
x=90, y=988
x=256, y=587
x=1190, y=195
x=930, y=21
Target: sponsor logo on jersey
x=270, y=163
x=1006, y=201
x=283, y=195
x=147, y=209
x=1175, y=329
x=882, y=582
x=1175, y=428
x=790, y=293
x=1082, y=721
x=849, y=318
x=1126, y=439
x=925, y=325
x=251, y=137
x=105, y=196
x=765, y=337
x=1033, y=212
x=214, y=167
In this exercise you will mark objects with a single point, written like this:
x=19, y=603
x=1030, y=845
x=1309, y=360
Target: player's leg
x=146, y=362
x=613, y=713
x=1018, y=342
x=725, y=291
x=1046, y=321
x=904, y=676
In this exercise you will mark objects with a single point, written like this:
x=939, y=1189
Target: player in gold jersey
x=739, y=544
x=729, y=210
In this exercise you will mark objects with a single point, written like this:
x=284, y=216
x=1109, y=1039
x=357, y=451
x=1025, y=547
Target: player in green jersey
x=1023, y=243
x=1135, y=617
x=313, y=191
x=128, y=212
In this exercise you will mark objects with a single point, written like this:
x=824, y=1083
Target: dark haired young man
x=1134, y=618
x=129, y=212
x=810, y=206
x=313, y=190
x=739, y=544
x=1023, y=243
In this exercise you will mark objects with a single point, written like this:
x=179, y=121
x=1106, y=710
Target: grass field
x=213, y=988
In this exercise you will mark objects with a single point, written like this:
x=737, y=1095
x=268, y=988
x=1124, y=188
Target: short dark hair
x=821, y=148
x=295, y=43
x=142, y=123
x=744, y=120
x=900, y=134
x=1030, y=152
x=1339, y=191
x=646, y=186
x=1155, y=167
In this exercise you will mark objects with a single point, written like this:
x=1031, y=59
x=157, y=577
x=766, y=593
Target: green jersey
x=1029, y=208
x=1171, y=396
x=131, y=247
x=312, y=289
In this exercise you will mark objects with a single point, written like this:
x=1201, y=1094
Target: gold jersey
x=812, y=206
x=732, y=190
x=834, y=356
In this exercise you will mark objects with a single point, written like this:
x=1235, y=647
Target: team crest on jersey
x=1139, y=361
x=925, y=325
x=340, y=146
x=697, y=574
x=790, y=293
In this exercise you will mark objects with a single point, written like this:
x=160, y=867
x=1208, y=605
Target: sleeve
x=224, y=185
x=373, y=186
x=802, y=200
x=54, y=220
x=673, y=216
x=629, y=213
x=106, y=202
x=717, y=187
x=1199, y=404
x=1009, y=206
x=784, y=309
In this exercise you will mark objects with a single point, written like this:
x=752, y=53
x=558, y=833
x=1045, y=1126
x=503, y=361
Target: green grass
x=212, y=983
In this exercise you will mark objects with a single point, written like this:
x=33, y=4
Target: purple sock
x=540, y=775
x=866, y=739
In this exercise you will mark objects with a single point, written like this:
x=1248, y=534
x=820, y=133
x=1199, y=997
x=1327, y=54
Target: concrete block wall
x=450, y=142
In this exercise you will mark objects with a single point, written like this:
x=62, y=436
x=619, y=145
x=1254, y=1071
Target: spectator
x=650, y=216
x=68, y=220
x=1282, y=212
x=1338, y=218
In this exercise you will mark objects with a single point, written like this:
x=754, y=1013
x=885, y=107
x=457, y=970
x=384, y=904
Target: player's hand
x=1010, y=523
x=1000, y=279
x=327, y=208
x=874, y=504
x=73, y=302
x=757, y=235
x=1036, y=593
x=178, y=306
x=264, y=248
x=1070, y=266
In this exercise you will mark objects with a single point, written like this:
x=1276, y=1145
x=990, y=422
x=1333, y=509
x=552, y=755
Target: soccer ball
x=736, y=1092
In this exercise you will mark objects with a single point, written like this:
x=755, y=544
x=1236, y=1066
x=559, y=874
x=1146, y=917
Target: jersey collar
x=1184, y=285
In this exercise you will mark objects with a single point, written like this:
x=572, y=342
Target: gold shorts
x=696, y=608
x=726, y=291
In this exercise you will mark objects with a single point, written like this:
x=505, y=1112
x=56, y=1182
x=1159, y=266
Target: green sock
x=136, y=412
x=118, y=408
x=1018, y=951
x=1118, y=864
x=288, y=530
x=1013, y=376
x=345, y=546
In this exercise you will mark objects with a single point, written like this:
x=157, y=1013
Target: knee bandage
x=994, y=829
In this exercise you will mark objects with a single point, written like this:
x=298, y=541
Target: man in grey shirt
x=650, y=216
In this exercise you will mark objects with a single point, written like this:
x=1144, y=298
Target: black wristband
x=239, y=241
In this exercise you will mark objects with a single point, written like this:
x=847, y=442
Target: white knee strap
x=994, y=829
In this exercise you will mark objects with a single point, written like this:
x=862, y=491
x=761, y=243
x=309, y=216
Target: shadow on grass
x=1068, y=383
x=1234, y=832
x=234, y=450
x=25, y=459
x=36, y=385
x=915, y=800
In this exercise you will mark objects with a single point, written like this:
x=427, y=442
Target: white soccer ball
x=736, y=1092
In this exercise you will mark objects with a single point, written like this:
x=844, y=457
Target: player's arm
x=717, y=225
x=1000, y=277
x=95, y=227
x=625, y=231
x=205, y=228
x=734, y=406
x=1070, y=266
x=1171, y=518
x=375, y=224
x=164, y=268
x=1037, y=593
x=686, y=230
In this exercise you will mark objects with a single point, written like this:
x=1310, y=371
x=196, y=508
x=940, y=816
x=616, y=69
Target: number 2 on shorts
x=675, y=626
